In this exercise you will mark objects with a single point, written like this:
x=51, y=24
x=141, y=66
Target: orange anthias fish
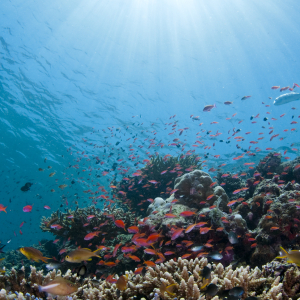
x=135, y=258
x=176, y=233
x=205, y=230
x=149, y=263
x=170, y=216
x=116, y=250
x=150, y=251
x=133, y=229
x=3, y=208
x=120, y=223
x=187, y=213
x=34, y=254
x=91, y=235
x=190, y=228
x=153, y=237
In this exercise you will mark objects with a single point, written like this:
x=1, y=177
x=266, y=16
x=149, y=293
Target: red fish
x=209, y=197
x=231, y=203
x=116, y=249
x=205, y=230
x=138, y=270
x=176, y=233
x=27, y=208
x=149, y=263
x=169, y=253
x=170, y=216
x=190, y=228
x=135, y=258
x=187, y=213
x=120, y=223
x=91, y=235
x=236, y=191
x=153, y=237
x=3, y=208
x=62, y=251
x=133, y=229
x=297, y=167
x=150, y=251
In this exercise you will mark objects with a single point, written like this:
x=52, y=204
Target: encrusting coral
x=184, y=275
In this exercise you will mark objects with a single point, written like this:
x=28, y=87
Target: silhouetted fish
x=26, y=187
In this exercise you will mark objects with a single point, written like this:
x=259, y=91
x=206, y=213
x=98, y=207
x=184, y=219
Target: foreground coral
x=274, y=282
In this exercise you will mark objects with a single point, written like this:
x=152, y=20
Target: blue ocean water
x=79, y=74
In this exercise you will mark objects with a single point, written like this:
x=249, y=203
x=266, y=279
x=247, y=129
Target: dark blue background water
x=70, y=66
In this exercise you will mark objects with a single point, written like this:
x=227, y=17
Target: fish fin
x=89, y=259
x=295, y=251
x=289, y=261
x=97, y=250
x=205, y=284
x=87, y=249
x=285, y=252
x=172, y=294
x=279, y=257
x=44, y=259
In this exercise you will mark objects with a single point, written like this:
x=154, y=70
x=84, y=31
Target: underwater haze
x=90, y=89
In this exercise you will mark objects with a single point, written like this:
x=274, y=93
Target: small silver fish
x=215, y=255
x=52, y=266
x=197, y=248
x=232, y=237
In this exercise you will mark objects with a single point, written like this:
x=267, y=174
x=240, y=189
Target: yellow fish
x=34, y=254
x=59, y=286
x=81, y=254
x=122, y=282
x=52, y=174
x=292, y=256
x=62, y=186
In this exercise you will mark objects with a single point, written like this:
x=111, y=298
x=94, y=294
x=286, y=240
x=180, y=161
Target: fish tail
x=172, y=294
x=44, y=259
x=205, y=284
x=96, y=252
x=284, y=251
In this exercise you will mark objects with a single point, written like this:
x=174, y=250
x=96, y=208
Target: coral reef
x=263, y=219
x=153, y=180
x=273, y=282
